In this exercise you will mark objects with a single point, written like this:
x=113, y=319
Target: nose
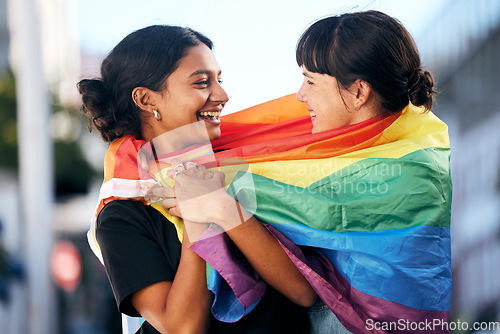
x=219, y=94
x=301, y=96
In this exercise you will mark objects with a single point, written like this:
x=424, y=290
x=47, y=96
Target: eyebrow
x=307, y=75
x=207, y=72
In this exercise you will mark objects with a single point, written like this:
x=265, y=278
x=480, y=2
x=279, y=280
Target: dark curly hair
x=145, y=58
x=373, y=47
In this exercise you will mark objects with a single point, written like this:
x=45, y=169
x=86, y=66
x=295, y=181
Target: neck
x=372, y=108
x=172, y=140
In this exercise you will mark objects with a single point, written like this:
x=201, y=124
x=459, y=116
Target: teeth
x=210, y=113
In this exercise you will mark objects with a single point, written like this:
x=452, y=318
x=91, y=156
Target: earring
x=134, y=99
x=157, y=114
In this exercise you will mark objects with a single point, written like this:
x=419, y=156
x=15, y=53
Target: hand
x=157, y=194
x=197, y=190
x=202, y=197
x=154, y=193
x=200, y=194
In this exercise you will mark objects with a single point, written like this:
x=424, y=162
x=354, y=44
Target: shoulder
x=127, y=210
x=133, y=217
x=120, y=207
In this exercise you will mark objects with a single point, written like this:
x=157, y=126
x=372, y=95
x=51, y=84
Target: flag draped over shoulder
x=362, y=211
x=372, y=199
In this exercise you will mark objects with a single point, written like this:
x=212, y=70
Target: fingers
x=177, y=165
x=169, y=203
x=144, y=161
x=177, y=168
x=190, y=164
x=189, y=168
x=164, y=195
x=221, y=176
x=175, y=211
x=157, y=193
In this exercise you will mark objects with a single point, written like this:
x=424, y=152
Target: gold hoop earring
x=157, y=114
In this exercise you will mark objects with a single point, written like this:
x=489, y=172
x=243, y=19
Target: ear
x=361, y=90
x=144, y=98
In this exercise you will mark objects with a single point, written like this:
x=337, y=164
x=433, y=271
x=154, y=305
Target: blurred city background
x=51, y=167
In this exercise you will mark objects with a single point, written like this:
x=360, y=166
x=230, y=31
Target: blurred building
x=61, y=51
x=462, y=49
x=11, y=313
x=4, y=36
x=90, y=307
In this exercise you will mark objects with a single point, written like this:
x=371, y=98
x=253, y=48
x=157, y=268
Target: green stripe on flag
x=369, y=195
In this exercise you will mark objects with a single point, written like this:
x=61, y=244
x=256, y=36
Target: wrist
x=231, y=214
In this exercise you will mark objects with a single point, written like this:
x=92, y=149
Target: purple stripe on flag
x=342, y=299
x=215, y=247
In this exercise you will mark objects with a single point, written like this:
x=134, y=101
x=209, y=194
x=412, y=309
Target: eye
x=202, y=82
x=310, y=82
x=220, y=81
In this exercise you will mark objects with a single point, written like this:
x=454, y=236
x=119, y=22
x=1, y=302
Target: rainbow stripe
x=372, y=199
x=363, y=211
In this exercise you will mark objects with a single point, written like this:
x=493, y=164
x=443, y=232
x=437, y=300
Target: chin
x=214, y=134
x=316, y=129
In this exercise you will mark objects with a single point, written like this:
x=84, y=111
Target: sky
x=254, y=41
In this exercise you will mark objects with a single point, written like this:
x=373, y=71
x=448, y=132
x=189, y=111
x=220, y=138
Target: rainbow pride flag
x=369, y=206
x=363, y=212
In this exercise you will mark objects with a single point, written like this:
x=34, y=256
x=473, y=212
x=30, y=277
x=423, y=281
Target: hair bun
x=94, y=95
x=421, y=91
x=96, y=103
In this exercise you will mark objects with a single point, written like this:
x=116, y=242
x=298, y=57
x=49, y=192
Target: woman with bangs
x=359, y=69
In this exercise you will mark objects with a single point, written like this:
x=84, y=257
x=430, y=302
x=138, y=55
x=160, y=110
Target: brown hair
x=373, y=47
x=145, y=58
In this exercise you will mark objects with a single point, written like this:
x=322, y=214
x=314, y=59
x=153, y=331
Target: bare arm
x=202, y=198
x=263, y=252
x=181, y=306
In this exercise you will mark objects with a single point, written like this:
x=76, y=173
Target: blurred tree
x=72, y=172
x=8, y=121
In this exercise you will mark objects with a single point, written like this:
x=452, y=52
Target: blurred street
x=51, y=166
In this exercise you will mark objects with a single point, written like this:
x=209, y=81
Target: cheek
x=197, y=101
x=331, y=111
x=323, y=103
x=187, y=107
x=190, y=99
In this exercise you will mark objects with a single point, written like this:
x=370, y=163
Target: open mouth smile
x=210, y=116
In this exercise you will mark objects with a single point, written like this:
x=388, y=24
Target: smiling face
x=329, y=105
x=193, y=95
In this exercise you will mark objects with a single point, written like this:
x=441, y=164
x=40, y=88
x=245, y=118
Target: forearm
x=189, y=299
x=181, y=306
x=265, y=254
